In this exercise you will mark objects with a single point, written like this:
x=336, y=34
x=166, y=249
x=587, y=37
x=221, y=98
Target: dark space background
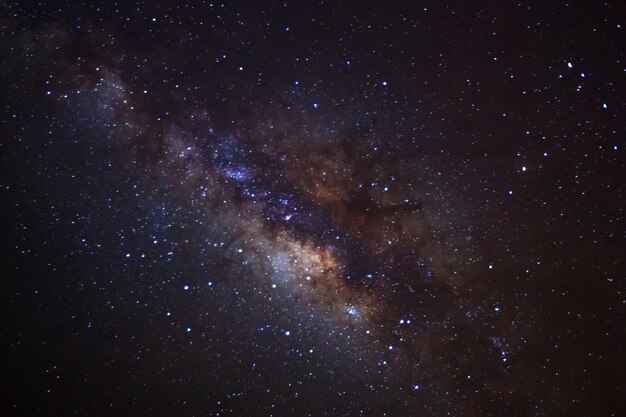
x=313, y=208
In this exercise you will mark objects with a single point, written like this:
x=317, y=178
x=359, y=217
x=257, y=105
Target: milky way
x=308, y=209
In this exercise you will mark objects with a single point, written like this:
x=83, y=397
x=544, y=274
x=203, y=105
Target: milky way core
x=312, y=209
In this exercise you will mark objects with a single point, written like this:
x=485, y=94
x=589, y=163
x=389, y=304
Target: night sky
x=313, y=208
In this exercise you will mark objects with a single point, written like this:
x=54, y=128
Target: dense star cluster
x=313, y=208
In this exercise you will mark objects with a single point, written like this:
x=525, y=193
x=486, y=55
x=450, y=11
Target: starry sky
x=298, y=208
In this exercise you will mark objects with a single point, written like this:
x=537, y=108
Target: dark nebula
x=313, y=208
